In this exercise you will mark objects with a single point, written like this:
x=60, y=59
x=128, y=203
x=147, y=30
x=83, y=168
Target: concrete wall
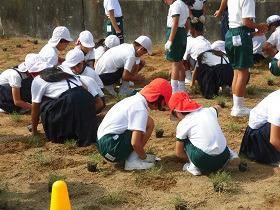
x=37, y=18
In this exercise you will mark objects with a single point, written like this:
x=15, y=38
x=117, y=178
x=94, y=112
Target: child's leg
x=177, y=76
x=241, y=82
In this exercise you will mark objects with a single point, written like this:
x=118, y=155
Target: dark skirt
x=6, y=96
x=256, y=145
x=71, y=116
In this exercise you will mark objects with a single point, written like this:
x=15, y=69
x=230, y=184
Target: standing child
x=198, y=8
x=200, y=140
x=59, y=41
x=127, y=126
x=114, y=23
x=239, y=48
x=176, y=36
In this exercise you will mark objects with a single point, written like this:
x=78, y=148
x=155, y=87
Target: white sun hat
x=35, y=63
x=60, y=32
x=112, y=41
x=73, y=57
x=145, y=42
x=273, y=18
x=22, y=67
x=86, y=39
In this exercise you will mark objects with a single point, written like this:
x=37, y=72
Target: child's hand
x=150, y=158
x=167, y=45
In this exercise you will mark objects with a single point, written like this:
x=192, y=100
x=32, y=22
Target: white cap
x=73, y=58
x=145, y=42
x=112, y=41
x=86, y=39
x=273, y=18
x=60, y=32
x=22, y=67
x=218, y=45
x=35, y=63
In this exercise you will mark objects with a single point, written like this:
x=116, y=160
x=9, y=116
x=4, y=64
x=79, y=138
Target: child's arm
x=190, y=12
x=194, y=77
x=221, y=10
x=137, y=143
x=275, y=136
x=35, y=112
x=17, y=99
x=114, y=22
x=173, y=32
x=180, y=152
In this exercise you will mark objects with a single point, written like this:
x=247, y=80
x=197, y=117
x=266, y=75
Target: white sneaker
x=137, y=165
x=126, y=92
x=188, y=78
x=2, y=111
x=190, y=167
x=131, y=84
x=240, y=112
x=110, y=90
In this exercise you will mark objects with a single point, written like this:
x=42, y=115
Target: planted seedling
x=179, y=203
x=221, y=180
x=243, y=167
x=113, y=198
x=270, y=82
x=159, y=131
x=221, y=101
x=95, y=158
x=70, y=143
x=16, y=117
x=52, y=179
x=18, y=46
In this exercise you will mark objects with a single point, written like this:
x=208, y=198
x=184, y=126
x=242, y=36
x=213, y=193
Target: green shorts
x=206, y=163
x=273, y=67
x=115, y=147
x=239, y=47
x=109, y=29
x=178, y=46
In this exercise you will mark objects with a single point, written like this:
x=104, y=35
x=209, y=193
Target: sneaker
x=137, y=165
x=131, y=84
x=127, y=92
x=110, y=90
x=2, y=111
x=190, y=167
x=188, y=78
x=240, y=112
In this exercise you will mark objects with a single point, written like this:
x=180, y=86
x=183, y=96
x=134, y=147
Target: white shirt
x=113, y=5
x=88, y=56
x=129, y=114
x=50, y=54
x=12, y=78
x=238, y=9
x=99, y=52
x=266, y=111
x=121, y=56
x=202, y=129
x=198, y=4
x=211, y=59
x=196, y=46
x=274, y=38
x=258, y=42
x=40, y=88
x=178, y=8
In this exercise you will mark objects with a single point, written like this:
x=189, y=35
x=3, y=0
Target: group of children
x=65, y=95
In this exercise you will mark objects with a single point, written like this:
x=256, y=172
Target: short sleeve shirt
x=12, y=78
x=112, y=5
x=178, y=8
x=196, y=46
x=50, y=54
x=198, y=4
x=274, y=38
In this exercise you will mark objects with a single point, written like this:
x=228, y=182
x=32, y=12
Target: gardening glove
x=150, y=158
x=167, y=45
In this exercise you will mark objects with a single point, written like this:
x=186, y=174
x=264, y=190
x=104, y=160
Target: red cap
x=181, y=102
x=156, y=88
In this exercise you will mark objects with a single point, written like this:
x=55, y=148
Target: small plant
x=194, y=90
x=35, y=141
x=52, y=179
x=270, y=82
x=159, y=131
x=252, y=90
x=222, y=181
x=42, y=159
x=95, y=158
x=234, y=127
x=113, y=198
x=221, y=101
x=179, y=203
x=70, y=143
x=16, y=117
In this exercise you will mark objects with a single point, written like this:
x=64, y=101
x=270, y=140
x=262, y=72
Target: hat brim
x=22, y=67
x=190, y=110
x=88, y=45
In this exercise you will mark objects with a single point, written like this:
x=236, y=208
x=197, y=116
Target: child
x=67, y=109
x=239, y=48
x=85, y=43
x=274, y=65
x=15, y=87
x=261, y=141
x=59, y=41
x=198, y=8
x=272, y=45
x=114, y=23
x=105, y=44
x=176, y=36
x=258, y=42
x=127, y=126
x=200, y=140
x=118, y=63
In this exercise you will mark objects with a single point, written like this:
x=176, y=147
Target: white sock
x=238, y=102
x=174, y=85
x=181, y=86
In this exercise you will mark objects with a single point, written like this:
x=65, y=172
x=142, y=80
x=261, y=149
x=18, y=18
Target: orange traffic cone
x=60, y=198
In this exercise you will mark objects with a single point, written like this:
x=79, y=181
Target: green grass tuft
x=113, y=198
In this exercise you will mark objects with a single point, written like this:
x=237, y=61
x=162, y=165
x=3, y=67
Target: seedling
x=35, y=41
x=70, y=143
x=91, y=167
x=159, y=131
x=270, y=82
x=221, y=101
x=42, y=159
x=16, y=117
x=95, y=158
x=52, y=179
x=35, y=141
x=243, y=167
x=179, y=203
x=113, y=198
x=222, y=181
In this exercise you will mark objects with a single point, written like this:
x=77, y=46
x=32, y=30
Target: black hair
x=63, y=41
x=276, y=23
x=189, y=2
x=197, y=26
x=100, y=42
x=55, y=74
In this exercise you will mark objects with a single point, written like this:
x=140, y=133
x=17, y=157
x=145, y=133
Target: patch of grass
x=252, y=90
x=179, y=203
x=194, y=90
x=95, y=158
x=53, y=178
x=35, y=141
x=42, y=159
x=16, y=117
x=70, y=144
x=113, y=198
x=222, y=181
x=161, y=74
x=221, y=100
x=234, y=127
x=151, y=150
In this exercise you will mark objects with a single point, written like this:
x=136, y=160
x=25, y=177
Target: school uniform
x=238, y=43
x=67, y=110
x=115, y=131
x=112, y=63
x=99, y=52
x=13, y=78
x=177, y=8
x=258, y=42
x=256, y=140
x=204, y=141
x=113, y=5
x=197, y=8
x=90, y=56
x=50, y=54
x=274, y=39
x=273, y=65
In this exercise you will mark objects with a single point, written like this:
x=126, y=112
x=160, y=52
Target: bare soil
x=25, y=166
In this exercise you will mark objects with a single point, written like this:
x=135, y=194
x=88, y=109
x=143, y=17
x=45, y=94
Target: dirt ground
x=27, y=165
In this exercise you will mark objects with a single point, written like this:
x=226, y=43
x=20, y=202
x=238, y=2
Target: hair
x=100, y=42
x=55, y=74
x=63, y=41
x=158, y=103
x=197, y=26
x=136, y=44
x=189, y=2
x=276, y=23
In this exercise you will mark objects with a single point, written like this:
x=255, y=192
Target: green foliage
x=70, y=143
x=16, y=117
x=113, y=198
x=222, y=181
